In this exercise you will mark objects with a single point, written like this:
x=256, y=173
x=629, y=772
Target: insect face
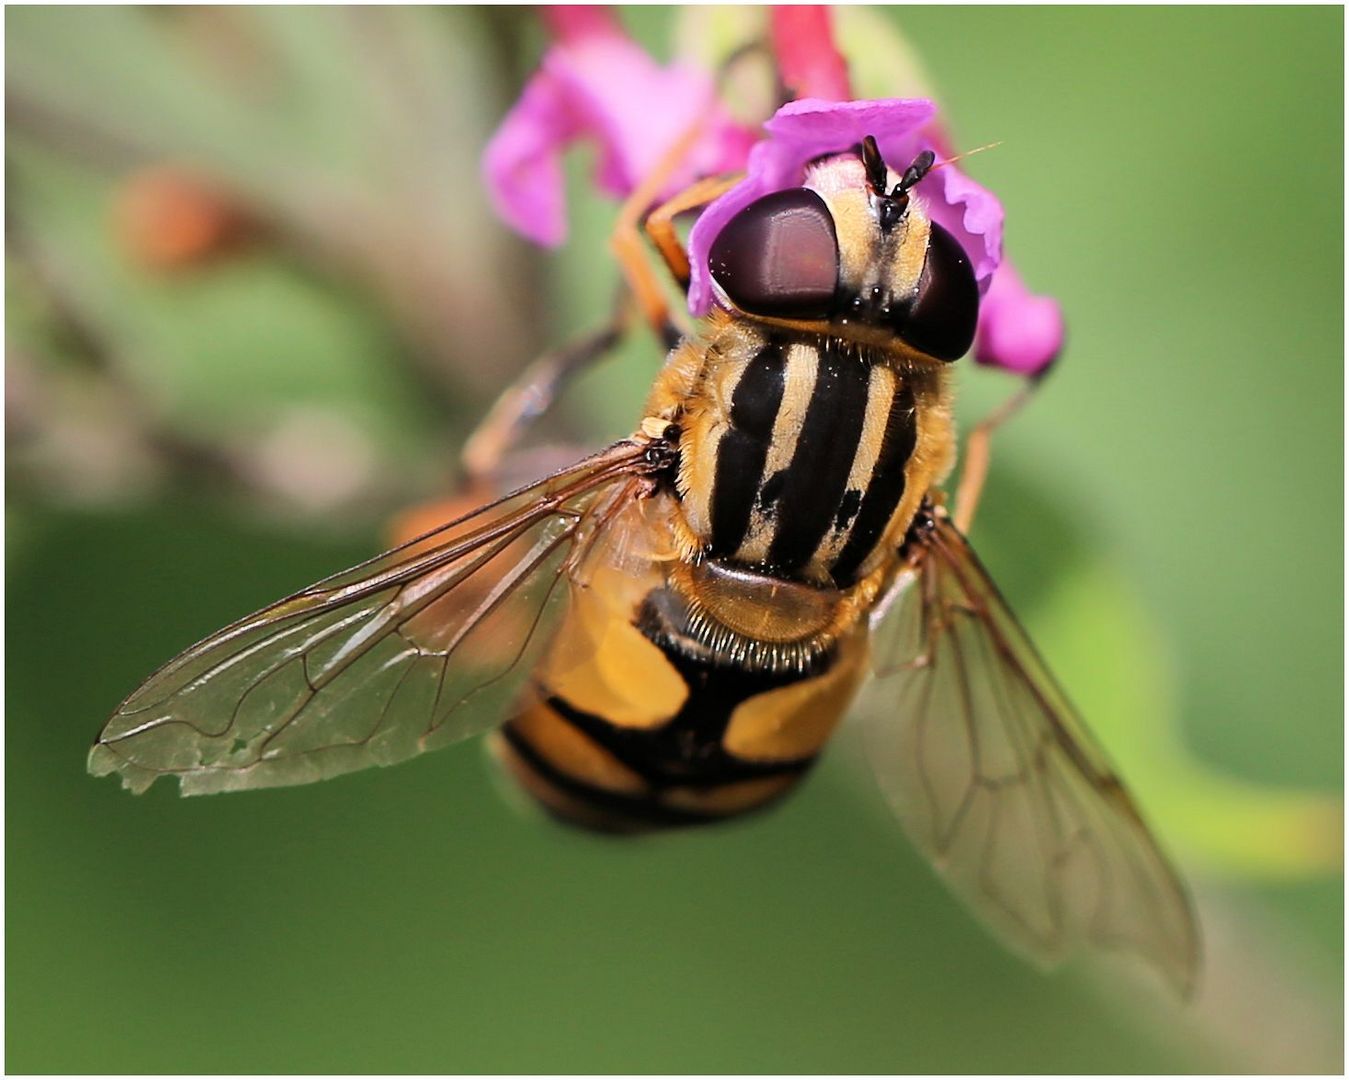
x=852, y=249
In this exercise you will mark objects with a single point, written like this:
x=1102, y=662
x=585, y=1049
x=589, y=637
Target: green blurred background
x=195, y=430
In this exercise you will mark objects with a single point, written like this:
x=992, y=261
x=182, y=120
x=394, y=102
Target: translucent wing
x=408, y=652
x=999, y=783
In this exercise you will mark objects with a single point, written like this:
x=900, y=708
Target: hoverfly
x=668, y=632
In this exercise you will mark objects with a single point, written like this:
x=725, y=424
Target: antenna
x=874, y=165
x=964, y=154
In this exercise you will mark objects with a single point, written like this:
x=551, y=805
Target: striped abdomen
x=802, y=454
x=634, y=726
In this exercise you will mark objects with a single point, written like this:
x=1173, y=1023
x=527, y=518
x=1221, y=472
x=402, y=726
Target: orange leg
x=539, y=385
x=518, y=407
x=660, y=222
x=974, y=469
x=627, y=244
x=533, y=393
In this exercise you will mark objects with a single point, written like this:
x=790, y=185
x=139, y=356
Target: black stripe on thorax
x=743, y=449
x=813, y=486
x=885, y=490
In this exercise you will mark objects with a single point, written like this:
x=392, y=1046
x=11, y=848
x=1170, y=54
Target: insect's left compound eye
x=940, y=322
x=779, y=256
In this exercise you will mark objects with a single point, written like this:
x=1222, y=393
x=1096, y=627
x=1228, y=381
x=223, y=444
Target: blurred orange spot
x=168, y=217
x=422, y=518
x=498, y=637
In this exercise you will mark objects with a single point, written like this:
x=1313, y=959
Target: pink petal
x=808, y=58
x=522, y=165
x=597, y=84
x=816, y=127
x=969, y=212
x=1018, y=331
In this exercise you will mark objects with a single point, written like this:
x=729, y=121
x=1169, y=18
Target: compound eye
x=940, y=321
x=779, y=256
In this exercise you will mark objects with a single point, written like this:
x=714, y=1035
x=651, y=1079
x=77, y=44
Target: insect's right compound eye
x=779, y=256
x=945, y=309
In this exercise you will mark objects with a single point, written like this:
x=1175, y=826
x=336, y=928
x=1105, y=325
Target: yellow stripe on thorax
x=799, y=386
x=880, y=396
x=706, y=418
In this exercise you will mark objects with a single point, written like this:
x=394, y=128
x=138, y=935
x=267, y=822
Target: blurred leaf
x=1094, y=627
x=222, y=350
x=352, y=132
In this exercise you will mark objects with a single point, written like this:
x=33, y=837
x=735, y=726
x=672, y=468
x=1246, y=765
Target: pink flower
x=596, y=83
x=1017, y=330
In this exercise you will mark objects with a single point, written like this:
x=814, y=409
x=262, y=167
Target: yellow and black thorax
x=804, y=455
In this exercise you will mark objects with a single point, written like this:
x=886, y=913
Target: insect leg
x=522, y=403
x=630, y=250
x=660, y=222
x=533, y=394
x=974, y=468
